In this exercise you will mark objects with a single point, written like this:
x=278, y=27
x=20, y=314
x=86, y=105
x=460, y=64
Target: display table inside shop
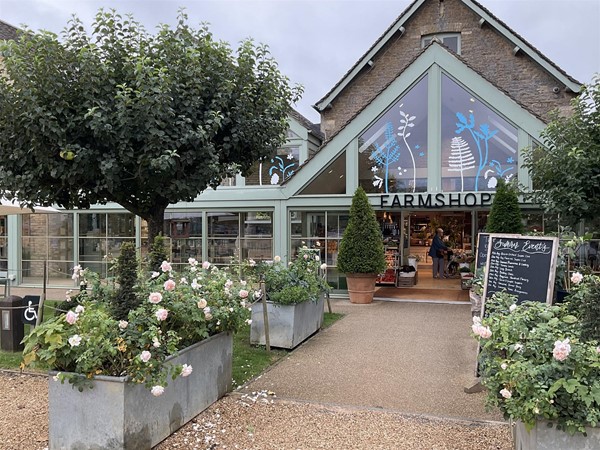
x=396, y=274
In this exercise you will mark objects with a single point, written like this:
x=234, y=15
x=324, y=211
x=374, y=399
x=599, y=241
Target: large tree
x=566, y=170
x=144, y=120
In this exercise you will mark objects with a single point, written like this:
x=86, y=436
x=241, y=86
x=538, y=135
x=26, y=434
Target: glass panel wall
x=3, y=243
x=392, y=153
x=234, y=237
x=478, y=146
x=47, y=239
x=330, y=181
x=185, y=233
x=321, y=230
x=100, y=238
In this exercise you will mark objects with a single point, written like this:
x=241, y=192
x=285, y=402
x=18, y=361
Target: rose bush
x=176, y=310
x=536, y=361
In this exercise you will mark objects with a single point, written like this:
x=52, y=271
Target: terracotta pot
x=361, y=287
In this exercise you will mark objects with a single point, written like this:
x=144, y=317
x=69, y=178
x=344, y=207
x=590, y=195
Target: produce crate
x=407, y=279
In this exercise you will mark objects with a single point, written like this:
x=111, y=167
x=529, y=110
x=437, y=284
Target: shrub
x=505, y=215
x=157, y=254
x=361, y=248
x=127, y=266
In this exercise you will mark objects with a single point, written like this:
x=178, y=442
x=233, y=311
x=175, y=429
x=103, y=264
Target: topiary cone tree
x=361, y=255
x=505, y=215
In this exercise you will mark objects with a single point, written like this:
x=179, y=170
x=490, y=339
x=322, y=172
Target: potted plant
x=541, y=366
x=361, y=255
x=142, y=369
x=295, y=304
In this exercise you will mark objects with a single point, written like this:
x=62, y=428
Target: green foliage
x=584, y=301
x=505, y=215
x=157, y=254
x=361, y=248
x=143, y=120
x=174, y=312
x=300, y=281
x=526, y=375
x=127, y=267
x=566, y=172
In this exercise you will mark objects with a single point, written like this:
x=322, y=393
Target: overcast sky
x=317, y=41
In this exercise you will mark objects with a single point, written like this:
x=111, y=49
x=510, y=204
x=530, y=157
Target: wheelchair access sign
x=30, y=312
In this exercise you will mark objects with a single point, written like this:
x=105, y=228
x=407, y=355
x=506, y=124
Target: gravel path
x=262, y=421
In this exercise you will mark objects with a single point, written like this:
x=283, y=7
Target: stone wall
x=484, y=49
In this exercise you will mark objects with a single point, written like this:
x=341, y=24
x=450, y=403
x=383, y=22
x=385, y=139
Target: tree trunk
x=155, y=220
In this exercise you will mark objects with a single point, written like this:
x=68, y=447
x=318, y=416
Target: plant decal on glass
x=384, y=155
x=460, y=159
x=407, y=122
x=482, y=135
x=280, y=165
x=496, y=172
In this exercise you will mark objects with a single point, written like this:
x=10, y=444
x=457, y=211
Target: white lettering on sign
x=541, y=247
x=506, y=244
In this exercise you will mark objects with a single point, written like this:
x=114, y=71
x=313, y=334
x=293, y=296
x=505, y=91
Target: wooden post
x=263, y=291
x=40, y=311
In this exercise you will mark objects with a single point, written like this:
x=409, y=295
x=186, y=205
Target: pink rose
x=155, y=297
x=505, y=393
x=561, y=350
x=145, y=356
x=71, y=317
x=169, y=285
x=192, y=262
x=161, y=314
x=576, y=278
x=157, y=390
x=205, y=265
x=243, y=293
x=186, y=370
x=165, y=266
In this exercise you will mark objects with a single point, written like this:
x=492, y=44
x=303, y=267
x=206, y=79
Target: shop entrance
x=407, y=238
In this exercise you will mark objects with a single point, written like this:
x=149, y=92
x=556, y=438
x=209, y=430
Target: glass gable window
x=330, y=181
x=393, y=151
x=450, y=40
x=478, y=146
x=276, y=170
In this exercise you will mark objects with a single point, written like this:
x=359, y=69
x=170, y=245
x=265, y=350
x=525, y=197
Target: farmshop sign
x=439, y=200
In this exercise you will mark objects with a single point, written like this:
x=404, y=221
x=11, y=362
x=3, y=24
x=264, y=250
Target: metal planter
x=541, y=437
x=289, y=325
x=117, y=414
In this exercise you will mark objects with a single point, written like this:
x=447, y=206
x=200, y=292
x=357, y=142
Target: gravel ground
x=262, y=421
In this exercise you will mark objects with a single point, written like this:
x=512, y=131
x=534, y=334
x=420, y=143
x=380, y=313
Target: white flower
x=505, y=393
x=519, y=348
x=248, y=321
x=317, y=258
x=324, y=266
x=504, y=366
x=277, y=258
x=165, y=266
x=202, y=303
x=123, y=324
x=192, y=262
x=205, y=265
x=155, y=274
x=476, y=319
x=252, y=263
x=195, y=284
x=155, y=342
x=75, y=340
x=512, y=307
x=186, y=370
x=145, y=356
x=576, y=278
x=207, y=310
x=56, y=377
x=79, y=309
x=157, y=390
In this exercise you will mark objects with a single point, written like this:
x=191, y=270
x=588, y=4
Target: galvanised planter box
x=116, y=414
x=289, y=325
x=541, y=437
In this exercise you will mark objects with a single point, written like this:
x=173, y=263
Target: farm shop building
x=426, y=121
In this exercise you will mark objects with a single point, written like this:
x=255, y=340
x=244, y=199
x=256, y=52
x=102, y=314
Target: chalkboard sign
x=523, y=266
x=482, y=250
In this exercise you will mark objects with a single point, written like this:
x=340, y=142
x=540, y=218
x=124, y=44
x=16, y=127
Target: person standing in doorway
x=437, y=252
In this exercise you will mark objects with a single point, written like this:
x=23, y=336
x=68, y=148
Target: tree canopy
x=566, y=171
x=143, y=120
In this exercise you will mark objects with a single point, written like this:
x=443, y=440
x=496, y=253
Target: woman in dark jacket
x=437, y=252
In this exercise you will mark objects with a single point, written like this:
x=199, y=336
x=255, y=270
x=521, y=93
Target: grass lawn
x=248, y=360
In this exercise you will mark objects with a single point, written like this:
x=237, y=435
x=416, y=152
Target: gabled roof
x=7, y=31
x=491, y=20
x=312, y=128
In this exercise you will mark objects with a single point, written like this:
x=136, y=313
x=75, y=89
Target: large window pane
x=276, y=170
x=332, y=180
x=185, y=231
x=478, y=146
x=393, y=151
